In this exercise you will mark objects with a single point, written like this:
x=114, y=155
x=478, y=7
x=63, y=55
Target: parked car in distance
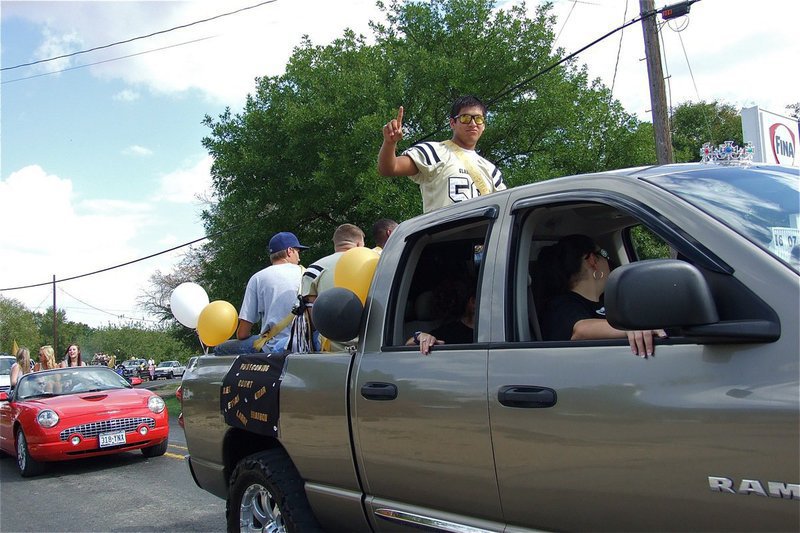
x=135, y=367
x=6, y=362
x=71, y=413
x=169, y=369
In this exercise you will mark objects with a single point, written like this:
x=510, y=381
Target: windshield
x=5, y=365
x=761, y=203
x=68, y=381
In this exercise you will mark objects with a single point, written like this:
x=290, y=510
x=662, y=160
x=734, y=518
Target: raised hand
x=393, y=130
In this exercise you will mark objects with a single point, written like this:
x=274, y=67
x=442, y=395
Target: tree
x=694, y=124
x=68, y=332
x=17, y=324
x=794, y=110
x=301, y=155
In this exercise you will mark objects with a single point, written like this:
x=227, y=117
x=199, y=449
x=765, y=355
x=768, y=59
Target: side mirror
x=336, y=314
x=3, y=396
x=658, y=293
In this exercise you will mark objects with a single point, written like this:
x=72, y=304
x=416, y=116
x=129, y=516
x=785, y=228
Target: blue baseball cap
x=283, y=240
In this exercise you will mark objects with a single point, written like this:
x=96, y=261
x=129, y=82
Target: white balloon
x=186, y=302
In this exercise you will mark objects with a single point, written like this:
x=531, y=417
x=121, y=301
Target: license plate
x=112, y=439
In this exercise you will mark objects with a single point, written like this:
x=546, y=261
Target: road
x=124, y=492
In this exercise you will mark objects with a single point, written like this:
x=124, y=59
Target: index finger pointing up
x=400, y=116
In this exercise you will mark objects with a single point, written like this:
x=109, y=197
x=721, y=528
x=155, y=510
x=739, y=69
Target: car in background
x=6, y=362
x=76, y=412
x=169, y=369
x=134, y=367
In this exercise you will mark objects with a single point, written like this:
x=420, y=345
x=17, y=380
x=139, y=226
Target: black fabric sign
x=249, y=397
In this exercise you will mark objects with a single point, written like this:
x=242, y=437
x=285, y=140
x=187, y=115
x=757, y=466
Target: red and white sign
x=774, y=137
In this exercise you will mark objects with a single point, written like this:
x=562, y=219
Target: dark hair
x=466, y=101
x=450, y=297
x=380, y=228
x=561, y=262
x=68, y=359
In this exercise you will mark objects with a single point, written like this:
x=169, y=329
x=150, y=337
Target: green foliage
x=301, y=156
x=133, y=340
x=17, y=324
x=695, y=124
x=648, y=245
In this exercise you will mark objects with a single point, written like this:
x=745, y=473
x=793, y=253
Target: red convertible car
x=77, y=412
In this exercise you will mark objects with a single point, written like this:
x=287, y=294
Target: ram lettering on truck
x=512, y=432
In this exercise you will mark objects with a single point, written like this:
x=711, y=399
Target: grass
x=167, y=392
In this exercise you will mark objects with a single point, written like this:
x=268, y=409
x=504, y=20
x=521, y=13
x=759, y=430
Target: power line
x=108, y=268
x=619, y=50
x=182, y=26
x=103, y=310
x=108, y=60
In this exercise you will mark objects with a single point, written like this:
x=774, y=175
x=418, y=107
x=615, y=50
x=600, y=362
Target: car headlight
x=156, y=404
x=47, y=418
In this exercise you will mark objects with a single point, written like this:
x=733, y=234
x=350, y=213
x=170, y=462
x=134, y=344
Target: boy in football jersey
x=447, y=172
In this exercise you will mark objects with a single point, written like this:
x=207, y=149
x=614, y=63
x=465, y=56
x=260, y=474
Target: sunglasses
x=465, y=118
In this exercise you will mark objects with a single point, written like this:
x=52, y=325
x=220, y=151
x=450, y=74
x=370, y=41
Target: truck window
x=619, y=234
x=442, y=268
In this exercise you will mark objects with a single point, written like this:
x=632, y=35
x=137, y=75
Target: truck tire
x=266, y=494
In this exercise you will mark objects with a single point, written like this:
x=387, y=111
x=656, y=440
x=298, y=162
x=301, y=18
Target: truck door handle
x=526, y=396
x=375, y=390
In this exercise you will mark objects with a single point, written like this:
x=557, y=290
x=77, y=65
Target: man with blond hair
x=319, y=276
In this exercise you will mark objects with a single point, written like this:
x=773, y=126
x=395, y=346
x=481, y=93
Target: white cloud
x=54, y=45
x=50, y=230
x=137, y=150
x=230, y=51
x=187, y=185
x=741, y=61
x=126, y=95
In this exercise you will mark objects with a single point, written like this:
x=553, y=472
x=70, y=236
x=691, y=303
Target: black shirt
x=564, y=311
x=454, y=333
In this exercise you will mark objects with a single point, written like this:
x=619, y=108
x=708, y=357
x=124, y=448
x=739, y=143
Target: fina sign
x=774, y=137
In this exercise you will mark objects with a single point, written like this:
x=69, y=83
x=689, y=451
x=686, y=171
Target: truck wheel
x=28, y=466
x=266, y=494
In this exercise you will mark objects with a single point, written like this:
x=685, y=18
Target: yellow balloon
x=217, y=322
x=355, y=269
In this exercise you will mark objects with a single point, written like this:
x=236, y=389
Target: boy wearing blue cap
x=269, y=297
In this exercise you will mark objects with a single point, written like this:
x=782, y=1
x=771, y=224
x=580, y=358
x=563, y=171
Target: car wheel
x=171, y=375
x=28, y=466
x=266, y=494
x=157, y=450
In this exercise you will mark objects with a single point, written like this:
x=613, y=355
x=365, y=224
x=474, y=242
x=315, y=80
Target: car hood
x=113, y=402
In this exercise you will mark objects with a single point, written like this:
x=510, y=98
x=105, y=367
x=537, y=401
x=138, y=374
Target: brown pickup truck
x=512, y=431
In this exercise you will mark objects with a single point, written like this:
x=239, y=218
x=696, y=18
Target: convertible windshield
x=68, y=381
x=763, y=206
x=5, y=365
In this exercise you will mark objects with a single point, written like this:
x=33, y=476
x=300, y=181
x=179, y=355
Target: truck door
x=588, y=436
x=421, y=423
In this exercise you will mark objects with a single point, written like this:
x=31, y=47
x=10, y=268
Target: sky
x=101, y=156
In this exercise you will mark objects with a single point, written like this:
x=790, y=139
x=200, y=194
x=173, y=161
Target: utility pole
x=55, y=327
x=658, y=93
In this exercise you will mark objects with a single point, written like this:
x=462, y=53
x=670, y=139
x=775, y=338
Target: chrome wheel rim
x=259, y=511
x=22, y=452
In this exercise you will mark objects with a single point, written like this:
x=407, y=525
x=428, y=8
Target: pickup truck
x=513, y=432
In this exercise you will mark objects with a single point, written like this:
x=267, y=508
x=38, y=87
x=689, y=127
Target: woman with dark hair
x=576, y=270
x=73, y=357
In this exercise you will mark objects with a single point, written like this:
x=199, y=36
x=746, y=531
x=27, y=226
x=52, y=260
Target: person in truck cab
x=455, y=300
x=269, y=298
x=576, y=271
x=447, y=172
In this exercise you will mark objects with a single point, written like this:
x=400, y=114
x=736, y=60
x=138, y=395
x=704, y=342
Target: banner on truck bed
x=250, y=393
